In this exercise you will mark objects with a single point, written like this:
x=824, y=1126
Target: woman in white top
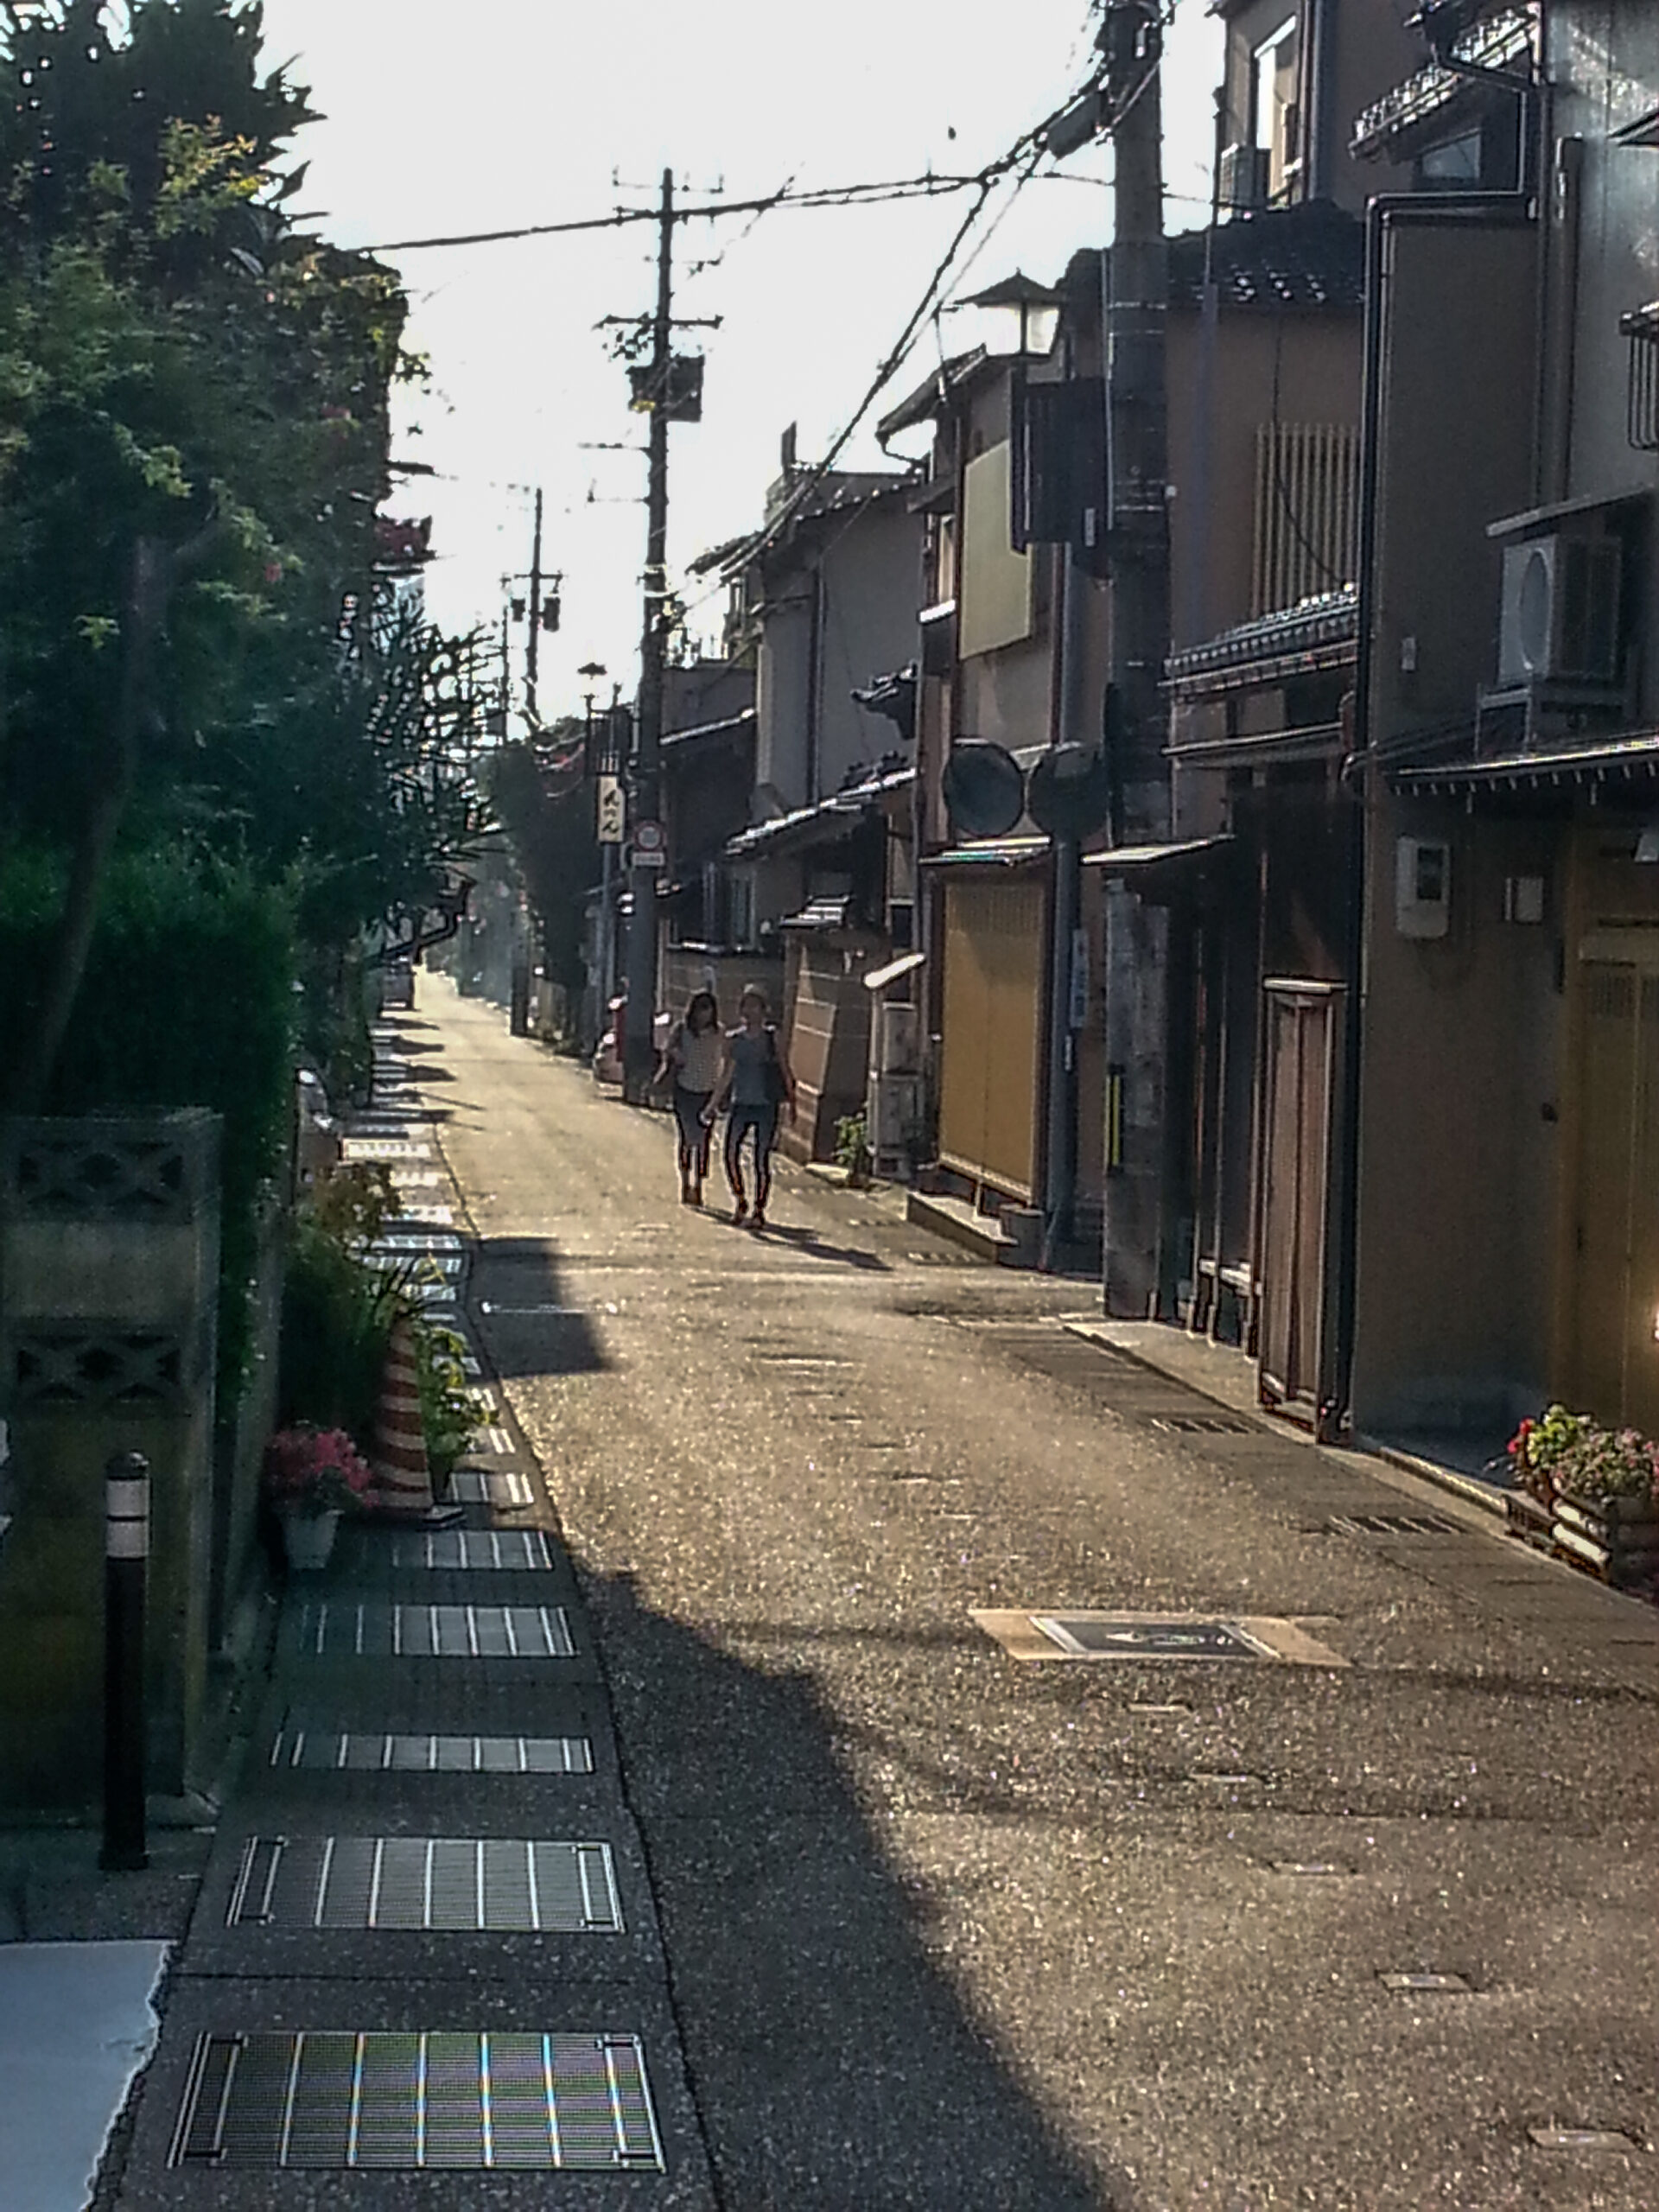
x=696, y=1053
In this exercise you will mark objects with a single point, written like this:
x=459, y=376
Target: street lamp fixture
x=1024, y=307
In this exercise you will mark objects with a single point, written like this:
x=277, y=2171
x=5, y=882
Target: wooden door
x=1614, y=1323
x=1303, y=1037
x=990, y=1032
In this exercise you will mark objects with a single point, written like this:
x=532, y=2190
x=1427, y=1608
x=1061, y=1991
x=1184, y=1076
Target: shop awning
x=991, y=852
x=879, y=979
x=1160, y=872
x=1621, y=760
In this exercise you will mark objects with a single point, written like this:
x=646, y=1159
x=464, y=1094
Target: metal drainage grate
x=474, y=1884
x=409, y=2103
x=325, y=1751
x=331, y=1630
x=1083, y=1633
x=507, y=1488
x=1100, y=1636
x=1583, y=2138
x=1450, y=1985
x=503, y=1548
x=1389, y=1524
x=1200, y=1425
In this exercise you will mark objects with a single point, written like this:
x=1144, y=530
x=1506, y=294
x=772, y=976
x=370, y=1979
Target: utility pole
x=640, y=1058
x=1140, y=1260
x=532, y=712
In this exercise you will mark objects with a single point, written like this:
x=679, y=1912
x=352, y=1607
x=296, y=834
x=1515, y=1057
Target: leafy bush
x=188, y=1001
x=337, y=1318
x=852, y=1146
x=451, y=1413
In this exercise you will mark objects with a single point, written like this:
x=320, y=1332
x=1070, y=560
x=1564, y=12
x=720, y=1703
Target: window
x=1275, y=117
x=1640, y=329
x=1306, y=512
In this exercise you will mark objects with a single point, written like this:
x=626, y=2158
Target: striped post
x=402, y=1470
x=126, y=1558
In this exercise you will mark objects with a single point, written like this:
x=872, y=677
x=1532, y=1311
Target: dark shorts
x=688, y=1111
x=763, y=1120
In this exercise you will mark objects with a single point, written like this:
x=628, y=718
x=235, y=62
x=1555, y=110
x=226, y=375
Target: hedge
x=189, y=1000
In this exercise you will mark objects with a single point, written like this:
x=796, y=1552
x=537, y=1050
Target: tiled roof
x=1501, y=40
x=1316, y=625
x=828, y=816
x=1309, y=256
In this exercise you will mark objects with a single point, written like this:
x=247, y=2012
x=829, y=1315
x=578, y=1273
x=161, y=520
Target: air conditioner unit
x=1560, y=617
x=893, y=1114
x=1245, y=174
x=898, y=1039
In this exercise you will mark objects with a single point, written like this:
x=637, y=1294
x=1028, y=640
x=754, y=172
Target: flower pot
x=307, y=1539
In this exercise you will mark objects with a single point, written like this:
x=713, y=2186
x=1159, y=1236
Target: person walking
x=695, y=1056
x=756, y=1082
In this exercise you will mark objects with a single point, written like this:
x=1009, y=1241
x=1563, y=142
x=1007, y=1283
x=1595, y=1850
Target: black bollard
x=126, y=1560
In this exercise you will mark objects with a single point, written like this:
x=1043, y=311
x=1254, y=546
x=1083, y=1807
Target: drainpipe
x=1066, y=905
x=815, y=690
x=1321, y=114
x=1380, y=216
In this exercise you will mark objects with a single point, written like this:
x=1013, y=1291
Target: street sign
x=611, y=811
x=649, y=845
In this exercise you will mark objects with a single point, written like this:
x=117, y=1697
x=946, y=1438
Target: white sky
x=441, y=119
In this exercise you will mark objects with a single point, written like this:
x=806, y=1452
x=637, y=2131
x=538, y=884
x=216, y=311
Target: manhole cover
x=1084, y=1634
x=1200, y=1425
x=1452, y=1985
x=470, y=1885
x=313, y=1750
x=409, y=2103
x=506, y=1549
x=1389, y=1524
x=507, y=1488
x=331, y=1630
x=1102, y=1636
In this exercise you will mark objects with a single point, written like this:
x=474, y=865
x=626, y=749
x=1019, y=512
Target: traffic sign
x=649, y=837
x=610, y=809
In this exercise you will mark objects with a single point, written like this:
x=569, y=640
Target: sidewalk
x=425, y=1940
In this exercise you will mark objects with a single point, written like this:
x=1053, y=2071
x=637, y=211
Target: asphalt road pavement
x=949, y=1928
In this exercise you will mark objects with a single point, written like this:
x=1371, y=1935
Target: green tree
x=194, y=432
x=548, y=818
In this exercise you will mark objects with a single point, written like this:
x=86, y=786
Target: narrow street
x=897, y=1919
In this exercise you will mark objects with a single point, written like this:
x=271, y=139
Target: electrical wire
x=930, y=186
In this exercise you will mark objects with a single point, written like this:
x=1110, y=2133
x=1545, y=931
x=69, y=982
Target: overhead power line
x=931, y=186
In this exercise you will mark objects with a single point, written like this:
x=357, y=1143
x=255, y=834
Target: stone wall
x=109, y=1278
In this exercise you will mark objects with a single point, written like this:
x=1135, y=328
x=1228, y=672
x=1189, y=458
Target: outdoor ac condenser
x=1560, y=620
x=1245, y=174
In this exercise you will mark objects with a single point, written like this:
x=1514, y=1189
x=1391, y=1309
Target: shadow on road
x=834, y=2064
x=811, y=1246
x=531, y=1321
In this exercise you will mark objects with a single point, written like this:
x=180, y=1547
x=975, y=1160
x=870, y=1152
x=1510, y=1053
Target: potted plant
x=1597, y=1490
x=451, y=1413
x=312, y=1476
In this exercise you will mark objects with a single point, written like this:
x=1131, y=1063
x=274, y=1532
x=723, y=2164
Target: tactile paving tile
x=325, y=1750
x=413, y=2102
x=482, y=1549
x=333, y=1630
x=458, y=1884
x=508, y=1488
